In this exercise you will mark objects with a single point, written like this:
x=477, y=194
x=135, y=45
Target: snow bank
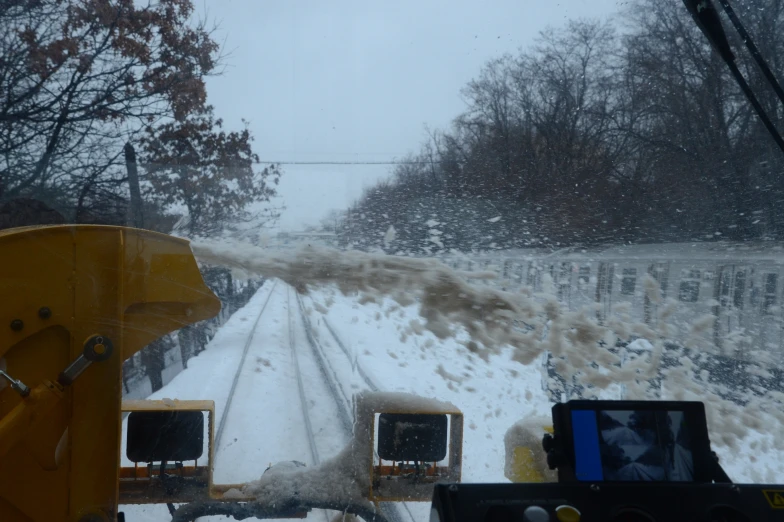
x=485, y=320
x=492, y=394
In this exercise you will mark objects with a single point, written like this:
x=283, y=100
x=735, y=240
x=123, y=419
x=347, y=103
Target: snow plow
x=84, y=299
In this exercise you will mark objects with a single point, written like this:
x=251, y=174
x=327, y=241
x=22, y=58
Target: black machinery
x=620, y=461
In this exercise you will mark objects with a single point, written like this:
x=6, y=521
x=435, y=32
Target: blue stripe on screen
x=588, y=462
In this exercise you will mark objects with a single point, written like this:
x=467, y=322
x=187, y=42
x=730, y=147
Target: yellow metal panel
x=368, y=406
x=20, y=451
x=129, y=285
x=165, y=290
x=35, y=271
x=38, y=406
x=136, y=486
x=96, y=310
x=168, y=405
x=524, y=468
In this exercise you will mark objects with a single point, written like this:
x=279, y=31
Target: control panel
x=608, y=502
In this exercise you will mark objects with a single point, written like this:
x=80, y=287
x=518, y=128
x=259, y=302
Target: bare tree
x=602, y=134
x=79, y=79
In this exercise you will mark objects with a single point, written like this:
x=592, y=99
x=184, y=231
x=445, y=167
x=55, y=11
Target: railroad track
x=246, y=347
x=314, y=451
x=280, y=429
x=353, y=360
x=343, y=397
x=308, y=360
x=315, y=454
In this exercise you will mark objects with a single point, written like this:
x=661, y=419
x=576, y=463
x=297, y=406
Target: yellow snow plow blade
x=75, y=302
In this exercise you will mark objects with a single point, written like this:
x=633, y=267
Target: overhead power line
x=353, y=162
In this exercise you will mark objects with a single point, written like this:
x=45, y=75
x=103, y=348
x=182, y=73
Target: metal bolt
x=17, y=325
x=44, y=312
x=594, y=487
x=452, y=487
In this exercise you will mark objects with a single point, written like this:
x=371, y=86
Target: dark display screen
x=632, y=446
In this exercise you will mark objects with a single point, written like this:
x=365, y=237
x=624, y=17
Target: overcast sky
x=358, y=80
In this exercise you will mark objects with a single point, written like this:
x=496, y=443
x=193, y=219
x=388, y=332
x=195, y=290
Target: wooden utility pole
x=137, y=218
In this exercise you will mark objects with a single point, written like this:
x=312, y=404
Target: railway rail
x=314, y=451
x=354, y=363
x=245, y=348
x=341, y=395
x=325, y=429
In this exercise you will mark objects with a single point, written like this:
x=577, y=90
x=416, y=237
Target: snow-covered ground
x=492, y=394
x=387, y=350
